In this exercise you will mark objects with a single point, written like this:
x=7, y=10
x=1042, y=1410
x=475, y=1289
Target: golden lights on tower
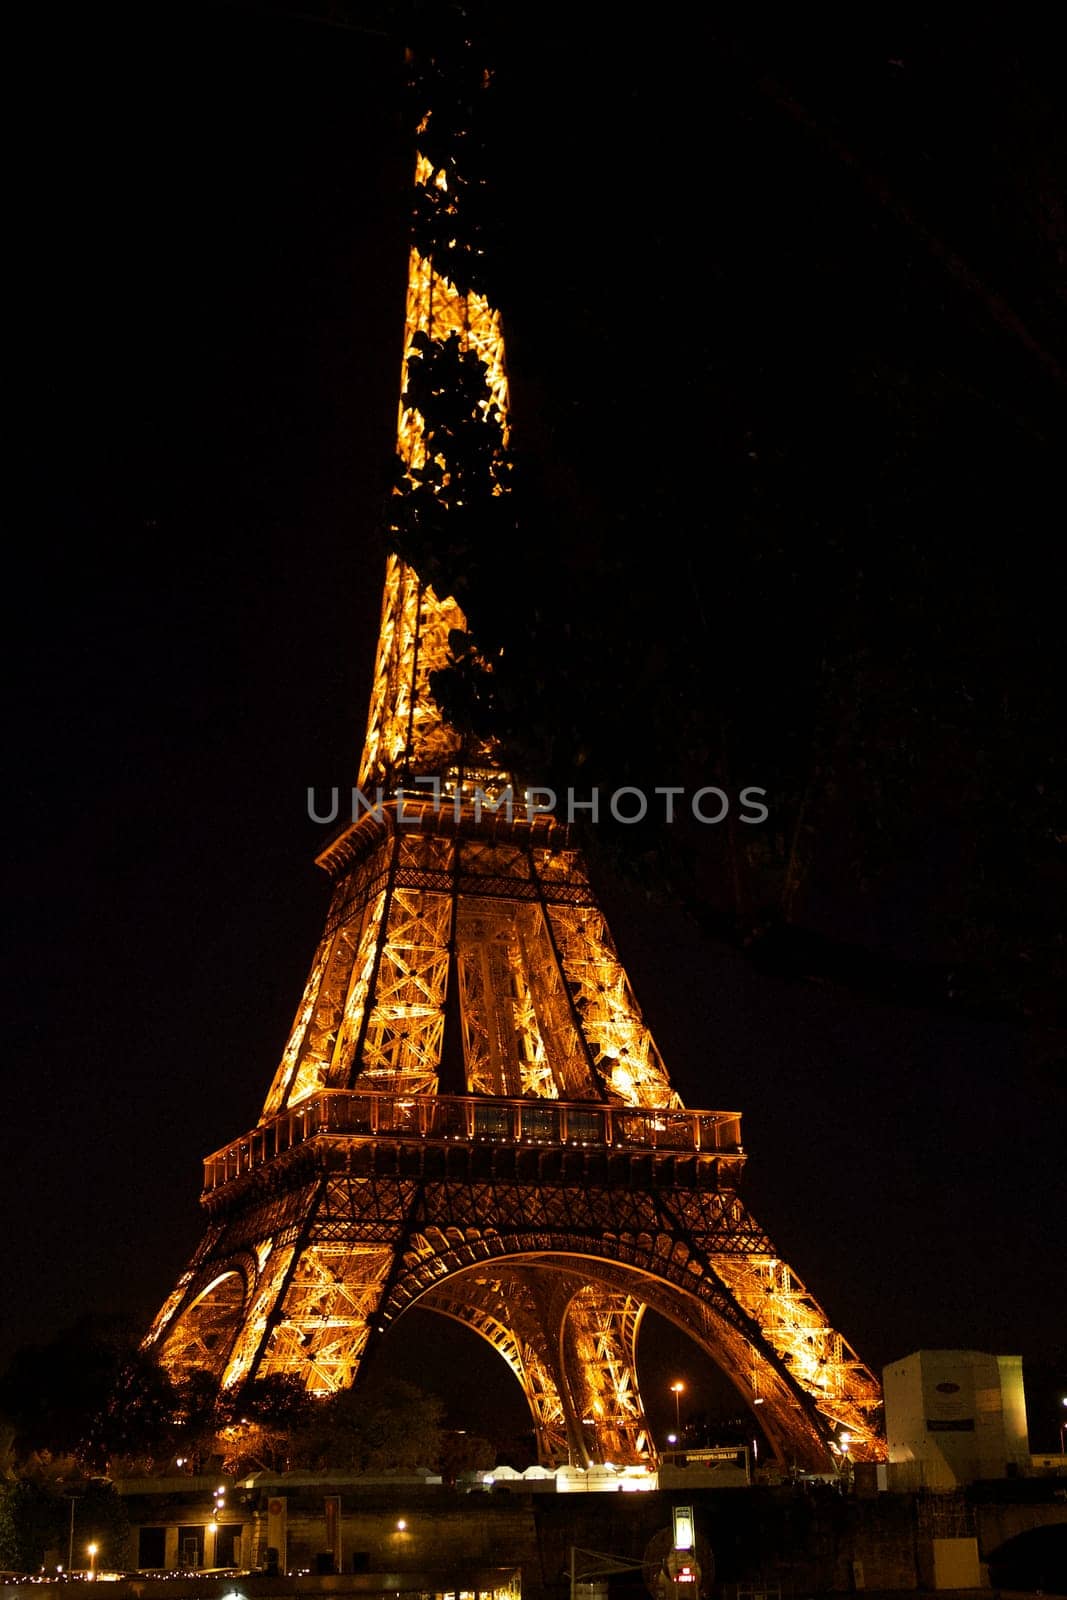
x=470, y=1112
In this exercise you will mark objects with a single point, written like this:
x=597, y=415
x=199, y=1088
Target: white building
x=953, y=1416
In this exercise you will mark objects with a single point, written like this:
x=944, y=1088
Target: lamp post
x=213, y=1525
x=92, y=1549
x=677, y=1389
x=70, y=1546
x=1063, y=1423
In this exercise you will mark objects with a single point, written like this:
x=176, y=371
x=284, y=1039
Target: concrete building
x=954, y=1416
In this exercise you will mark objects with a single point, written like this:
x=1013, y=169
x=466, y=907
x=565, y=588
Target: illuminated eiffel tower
x=470, y=1114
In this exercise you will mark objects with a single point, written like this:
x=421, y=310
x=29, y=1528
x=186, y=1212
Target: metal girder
x=202, y=1336
x=599, y=1342
x=322, y=1332
x=545, y=1003
x=622, y=1046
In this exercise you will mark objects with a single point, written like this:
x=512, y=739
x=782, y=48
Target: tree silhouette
x=788, y=531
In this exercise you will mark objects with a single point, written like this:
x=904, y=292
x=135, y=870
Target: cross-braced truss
x=201, y=1339
x=322, y=1330
x=600, y=1351
x=506, y=932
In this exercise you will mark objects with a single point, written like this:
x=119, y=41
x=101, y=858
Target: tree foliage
x=35, y=1521
x=464, y=1452
x=101, y=1407
x=784, y=525
x=454, y=508
x=453, y=219
x=257, y=1424
x=388, y=1426
x=197, y=1419
x=90, y=1397
x=137, y=1422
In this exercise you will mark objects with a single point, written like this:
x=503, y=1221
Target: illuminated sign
x=683, y=1528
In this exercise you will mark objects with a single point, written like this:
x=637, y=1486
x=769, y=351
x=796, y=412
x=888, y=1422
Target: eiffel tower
x=470, y=1114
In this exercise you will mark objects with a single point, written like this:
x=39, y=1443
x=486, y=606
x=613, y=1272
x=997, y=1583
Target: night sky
x=214, y=244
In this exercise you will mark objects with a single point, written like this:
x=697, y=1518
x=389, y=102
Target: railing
x=473, y=1119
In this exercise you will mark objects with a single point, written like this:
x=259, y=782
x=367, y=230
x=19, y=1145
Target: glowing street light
x=1063, y=1425
x=216, y=1518
x=92, y=1549
x=678, y=1389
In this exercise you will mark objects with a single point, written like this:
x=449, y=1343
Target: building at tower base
x=954, y=1416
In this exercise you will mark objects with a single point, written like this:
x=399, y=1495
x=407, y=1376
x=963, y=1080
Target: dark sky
x=214, y=250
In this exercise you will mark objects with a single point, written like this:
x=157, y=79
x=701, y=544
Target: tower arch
x=200, y=1336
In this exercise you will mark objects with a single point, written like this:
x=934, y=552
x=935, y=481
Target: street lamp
x=213, y=1525
x=677, y=1389
x=70, y=1547
x=1063, y=1425
x=92, y=1549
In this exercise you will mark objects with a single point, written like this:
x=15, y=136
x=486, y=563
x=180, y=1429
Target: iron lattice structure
x=470, y=1114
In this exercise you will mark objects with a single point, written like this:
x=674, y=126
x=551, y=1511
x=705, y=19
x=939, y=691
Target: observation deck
x=447, y=1121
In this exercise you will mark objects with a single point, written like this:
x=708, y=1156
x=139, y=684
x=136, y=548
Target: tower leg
x=572, y=1347
x=505, y=1310
x=289, y=1286
x=599, y=1342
